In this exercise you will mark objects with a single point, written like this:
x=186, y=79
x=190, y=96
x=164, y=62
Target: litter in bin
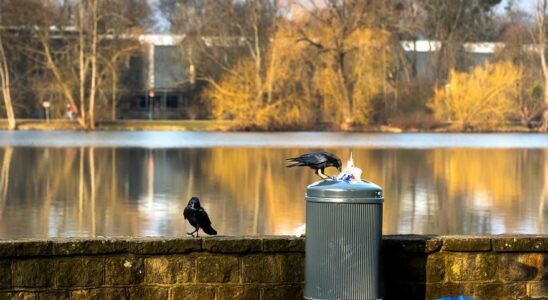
x=351, y=173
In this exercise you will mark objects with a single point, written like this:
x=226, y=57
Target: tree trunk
x=544, y=126
x=93, y=61
x=5, y=85
x=82, y=64
x=541, y=40
x=258, y=64
x=271, y=68
x=114, y=81
x=273, y=57
x=44, y=40
x=347, y=110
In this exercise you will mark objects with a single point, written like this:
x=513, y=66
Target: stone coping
x=467, y=243
x=148, y=245
x=255, y=244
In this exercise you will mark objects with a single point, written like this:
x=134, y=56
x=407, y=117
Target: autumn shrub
x=347, y=86
x=273, y=95
x=295, y=85
x=481, y=99
x=410, y=111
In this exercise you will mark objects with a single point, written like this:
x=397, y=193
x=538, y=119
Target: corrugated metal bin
x=343, y=240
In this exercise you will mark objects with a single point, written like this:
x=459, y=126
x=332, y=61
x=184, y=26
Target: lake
x=78, y=184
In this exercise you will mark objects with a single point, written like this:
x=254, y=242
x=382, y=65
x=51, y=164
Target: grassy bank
x=130, y=125
x=206, y=125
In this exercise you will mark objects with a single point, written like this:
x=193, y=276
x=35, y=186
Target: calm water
x=112, y=184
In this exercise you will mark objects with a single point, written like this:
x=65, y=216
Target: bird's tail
x=209, y=230
x=293, y=162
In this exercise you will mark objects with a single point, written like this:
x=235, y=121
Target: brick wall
x=152, y=268
x=414, y=267
x=483, y=267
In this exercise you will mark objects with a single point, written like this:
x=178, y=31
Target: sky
x=161, y=23
x=527, y=6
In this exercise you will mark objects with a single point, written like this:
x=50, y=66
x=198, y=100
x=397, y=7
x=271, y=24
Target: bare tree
x=453, y=23
x=230, y=45
x=5, y=81
x=351, y=57
x=541, y=25
x=77, y=47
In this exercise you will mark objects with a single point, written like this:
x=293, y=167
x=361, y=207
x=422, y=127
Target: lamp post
x=150, y=103
x=46, y=105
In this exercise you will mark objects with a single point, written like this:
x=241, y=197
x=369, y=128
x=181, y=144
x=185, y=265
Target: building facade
x=160, y=81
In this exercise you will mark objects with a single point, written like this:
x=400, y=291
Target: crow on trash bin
x=197, y=217
x=317, y=161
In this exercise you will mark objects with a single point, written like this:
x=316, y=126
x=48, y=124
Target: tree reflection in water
x=247, y=191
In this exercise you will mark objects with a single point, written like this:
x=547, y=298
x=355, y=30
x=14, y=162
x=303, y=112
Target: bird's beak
x=340, y=169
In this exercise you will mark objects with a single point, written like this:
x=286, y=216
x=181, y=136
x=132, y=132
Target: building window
x=172, y=101
x=143, y=102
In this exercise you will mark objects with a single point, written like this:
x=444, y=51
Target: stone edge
x=148, y=245
x=257, y=244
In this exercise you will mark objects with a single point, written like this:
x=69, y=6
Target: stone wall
x=152, y=268
x=414, y=267
x=483, y=267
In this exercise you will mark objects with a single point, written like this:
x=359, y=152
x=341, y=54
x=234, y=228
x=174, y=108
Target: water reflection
x=87, y=191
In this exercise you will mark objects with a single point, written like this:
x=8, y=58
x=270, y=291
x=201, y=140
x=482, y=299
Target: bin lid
x=340, y=191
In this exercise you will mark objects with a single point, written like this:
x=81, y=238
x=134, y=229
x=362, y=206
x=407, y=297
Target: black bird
x=317, y=161
x=197, y=217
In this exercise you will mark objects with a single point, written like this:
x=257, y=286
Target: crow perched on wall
x=197, y=217
x=317, y=161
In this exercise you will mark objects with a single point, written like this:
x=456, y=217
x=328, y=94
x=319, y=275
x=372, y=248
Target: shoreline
x=230, y=139
x=224, y=126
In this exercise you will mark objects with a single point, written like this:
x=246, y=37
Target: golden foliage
x=234, y=97
x=356, y=78
x=368, y=70
x=294, y=84
x=482, y=99
x=265, y=94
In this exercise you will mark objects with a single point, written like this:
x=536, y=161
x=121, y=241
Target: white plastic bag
x=351, y=173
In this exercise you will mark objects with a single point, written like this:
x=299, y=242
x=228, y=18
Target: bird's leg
x=192, y=233
x=197, y=233
x=321, y=172
x=317, y=172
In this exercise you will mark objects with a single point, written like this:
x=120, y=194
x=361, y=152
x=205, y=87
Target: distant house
x=421, y=54
x=160, y=80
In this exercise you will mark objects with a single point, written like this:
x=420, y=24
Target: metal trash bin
x=343, y=240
